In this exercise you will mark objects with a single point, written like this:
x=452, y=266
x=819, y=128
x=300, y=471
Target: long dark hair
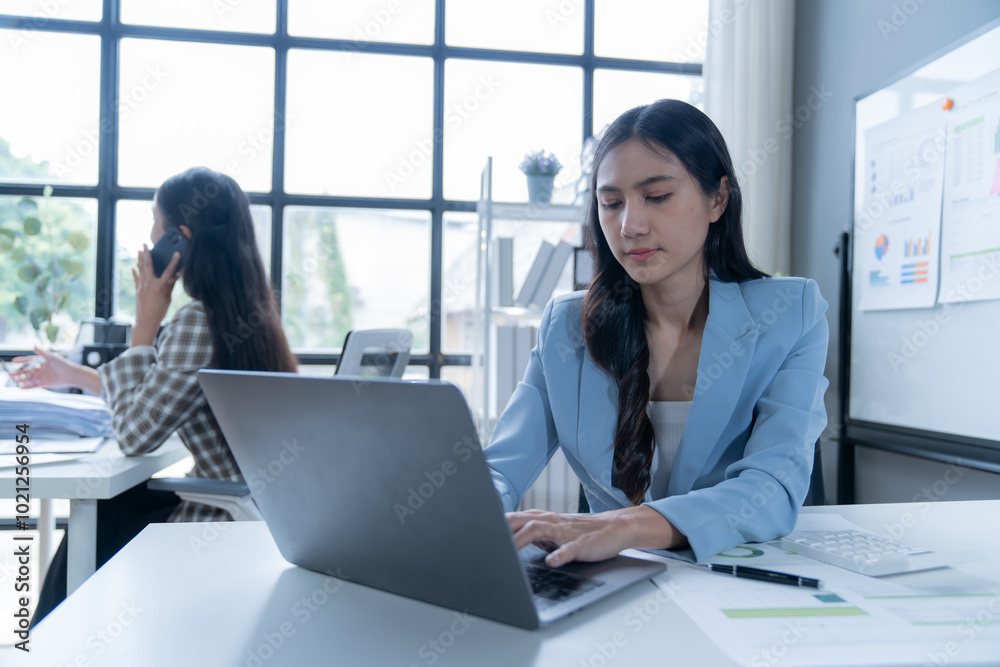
x=223, y=269
x=614, y=315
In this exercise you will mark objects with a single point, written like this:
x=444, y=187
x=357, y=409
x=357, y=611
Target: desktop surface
x=220, y=594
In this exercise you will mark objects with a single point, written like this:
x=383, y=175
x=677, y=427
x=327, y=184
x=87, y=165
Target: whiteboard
x=925, y=279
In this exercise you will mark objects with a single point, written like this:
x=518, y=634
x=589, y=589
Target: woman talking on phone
x=685, y=387
x=152, y=389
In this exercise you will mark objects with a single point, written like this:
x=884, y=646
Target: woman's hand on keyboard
x=593, y=537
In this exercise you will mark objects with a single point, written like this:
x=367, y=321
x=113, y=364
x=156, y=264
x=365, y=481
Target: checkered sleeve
x=152, y=392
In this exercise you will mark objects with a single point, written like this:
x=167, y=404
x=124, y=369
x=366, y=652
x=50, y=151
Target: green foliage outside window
x=315, y=296
x=47, y=270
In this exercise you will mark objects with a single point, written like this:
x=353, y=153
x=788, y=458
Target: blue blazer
x=743, y=465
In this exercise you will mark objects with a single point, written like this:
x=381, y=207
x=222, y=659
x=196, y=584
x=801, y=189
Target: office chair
x=817, y=490
x=233, y=497
x=375, y=353
x=366, y=353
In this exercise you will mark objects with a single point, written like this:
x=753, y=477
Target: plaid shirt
x=153, y=392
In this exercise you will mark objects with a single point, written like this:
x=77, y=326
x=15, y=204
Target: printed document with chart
x=851, y=620
x=970, y=243
x=899, y=228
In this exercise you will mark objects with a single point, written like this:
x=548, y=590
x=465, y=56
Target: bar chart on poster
x=925, y=293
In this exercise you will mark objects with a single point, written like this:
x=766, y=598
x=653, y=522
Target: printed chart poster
x=970, y=242
x=898, y=231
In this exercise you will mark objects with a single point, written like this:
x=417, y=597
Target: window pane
x=347, y=269
x=47, y=269
x=466, y=378
x=458, y=288
x=364, y=21
x=651, y=29
x=134, y=222
x=518, y=25
x=317, y=370
x=184, y=104
x=76, y=10
x=49, y=125
x=616, y=91
x=325, y=371
x=506, y=110
x=362, y=124
x=228, y=15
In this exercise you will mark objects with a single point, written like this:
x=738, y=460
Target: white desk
x=85, y=480
x=221, y=595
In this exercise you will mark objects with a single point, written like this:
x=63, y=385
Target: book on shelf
x=505, y=271
x=505, y=373
x=524, y=341
x=553, y=269
x=514, y=345
x=526, y=296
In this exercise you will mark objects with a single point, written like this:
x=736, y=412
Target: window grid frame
x=107, y=192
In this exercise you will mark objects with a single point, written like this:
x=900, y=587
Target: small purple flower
x=540, y=163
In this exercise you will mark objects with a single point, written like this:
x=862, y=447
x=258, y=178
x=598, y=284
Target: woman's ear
x=719, y=200
x=186, y=231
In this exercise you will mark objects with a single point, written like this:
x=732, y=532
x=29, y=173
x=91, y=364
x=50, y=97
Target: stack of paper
x=50, y=414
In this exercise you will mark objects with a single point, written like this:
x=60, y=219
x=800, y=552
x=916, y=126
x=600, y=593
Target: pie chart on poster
x=881, y=246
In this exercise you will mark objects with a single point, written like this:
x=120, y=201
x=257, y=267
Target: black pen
x=744, y=572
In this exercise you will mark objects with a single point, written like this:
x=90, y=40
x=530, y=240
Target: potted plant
x=541, y=169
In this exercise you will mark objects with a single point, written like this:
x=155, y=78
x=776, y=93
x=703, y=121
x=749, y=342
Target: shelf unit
x=528, y=225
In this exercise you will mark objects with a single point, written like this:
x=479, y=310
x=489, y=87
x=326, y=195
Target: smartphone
x=164, y=249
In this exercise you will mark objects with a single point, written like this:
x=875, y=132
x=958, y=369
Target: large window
x=359, y=130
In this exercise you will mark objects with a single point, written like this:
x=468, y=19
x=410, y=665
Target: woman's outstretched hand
x=44, y=369
x=152, y=296
x=593, y=537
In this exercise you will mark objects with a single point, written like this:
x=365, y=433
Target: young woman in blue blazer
x=685, y=387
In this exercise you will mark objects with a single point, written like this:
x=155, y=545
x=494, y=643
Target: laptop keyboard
x=558, y=586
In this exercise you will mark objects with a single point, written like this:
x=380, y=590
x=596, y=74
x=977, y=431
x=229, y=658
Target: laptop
x=384, y=483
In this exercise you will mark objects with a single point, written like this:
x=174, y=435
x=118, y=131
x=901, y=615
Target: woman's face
x=654, y=215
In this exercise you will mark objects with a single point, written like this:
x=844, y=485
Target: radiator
x=557, y=489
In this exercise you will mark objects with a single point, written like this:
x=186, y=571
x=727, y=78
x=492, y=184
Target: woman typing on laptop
x=685, y=387
x=203, y=220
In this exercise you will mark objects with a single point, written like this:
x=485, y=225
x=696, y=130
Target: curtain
x=748, y=94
